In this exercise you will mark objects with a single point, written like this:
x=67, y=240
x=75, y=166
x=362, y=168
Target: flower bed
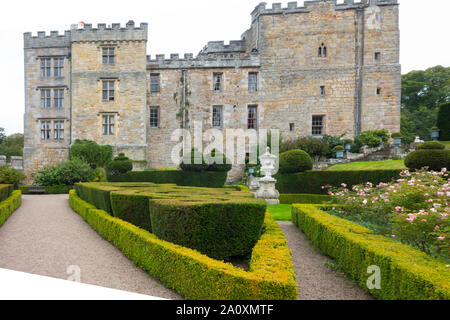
x=194, y=275
x=405, y=273
x=413, y=209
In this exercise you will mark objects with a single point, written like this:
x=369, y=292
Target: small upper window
x=292, y=127
x=322, y=90
x=154, y=83
x=217, y=82
x=378, y=91
x=108, y=56
x=154, y=117
x=377, y=56
x=217, y=118
x=322, y=52
x=252, y=82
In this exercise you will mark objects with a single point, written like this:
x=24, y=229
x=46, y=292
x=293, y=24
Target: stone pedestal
x=268, y=192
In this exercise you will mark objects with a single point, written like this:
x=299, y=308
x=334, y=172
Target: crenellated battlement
x=202, y=61
x=113, y=32
x=292, y=7
x=214, y=47
x=42, y=40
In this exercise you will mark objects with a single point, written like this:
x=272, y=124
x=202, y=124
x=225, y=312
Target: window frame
x=322, y=91
x=377, y=56
x=58, y=130
x=322, y=51
x=254, y=119
x=217, y=75
x=108, y=126
x=318, y=125
x=214, y=114
x=46, y=67
x=46, y=130
x=253, y=86
x=110, y=57
x=58, y=98
x=152, y=117
x=46, y=98
x=58, y=67
x=109, y=90
x=155, y=87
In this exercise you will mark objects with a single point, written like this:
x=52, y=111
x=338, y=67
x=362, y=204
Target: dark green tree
x=443, y=121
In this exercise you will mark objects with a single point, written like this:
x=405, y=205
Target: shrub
x=217, y=161
x=333, y=141
x=312, y=182
x=208, y=179
x=91, y=152
x=5, y=191
x=120, y=165
x=10, y=176
x=196, y=276
x=295, y=161
x=396, y=135
x=313, y=146
x=193, y=161
x=222, y=222
x=432, y=159
x=443, y=121
x=406, y=273
x=431, y=145
x=338, y=148
x=9, y=205
x=372, y=138
x=66, y=173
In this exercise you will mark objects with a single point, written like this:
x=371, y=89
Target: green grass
x=446, y=143
x=369, y=165
x=281, y=212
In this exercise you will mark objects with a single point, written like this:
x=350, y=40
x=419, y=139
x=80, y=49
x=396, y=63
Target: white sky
x=183, y=26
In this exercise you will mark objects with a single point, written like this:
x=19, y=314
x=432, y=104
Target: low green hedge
x=209, y=179
x=49, y=189
x=304, y=198
x=5, y=191
x=406, y=273
x=194, y=275
x=311, y=182
x=221, y=223
x=9, y=205
x=433, y=159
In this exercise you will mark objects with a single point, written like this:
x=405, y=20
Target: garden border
x=406, y=273
x=194, y=275
x=8, y=206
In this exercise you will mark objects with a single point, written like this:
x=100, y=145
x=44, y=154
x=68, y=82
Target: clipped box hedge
x=287, y=198
x=5, y=191
x=194, y=275
x=9, y=205
x=208, y=179
x=221, y=223
x=49, y=189
x=311, y=182
x=406, y=273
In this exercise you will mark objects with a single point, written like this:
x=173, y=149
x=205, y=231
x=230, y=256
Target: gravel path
x=44, y=237
x=315, y=281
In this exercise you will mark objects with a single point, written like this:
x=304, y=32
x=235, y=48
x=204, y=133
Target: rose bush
x=413, y=209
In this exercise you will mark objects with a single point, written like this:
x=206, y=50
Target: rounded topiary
x=295, y=161
x=431, y=145
x=431, y=158
x=396, y=135
x=348, y=141
x=121, y=164
x=339, y=148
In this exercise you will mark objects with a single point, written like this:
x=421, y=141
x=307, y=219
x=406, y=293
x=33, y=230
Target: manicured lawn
x=281, y=212
x=369, y=165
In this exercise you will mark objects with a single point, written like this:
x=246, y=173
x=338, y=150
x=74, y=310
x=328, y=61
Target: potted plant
x=339, y=151
x=435, y=133
x=397, y=136
x=348, y=145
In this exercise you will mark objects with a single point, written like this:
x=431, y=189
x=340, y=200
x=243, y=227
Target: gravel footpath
x=44, y=237
x=315, y=281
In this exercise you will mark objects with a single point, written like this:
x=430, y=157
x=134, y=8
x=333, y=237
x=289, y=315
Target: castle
x=324, y=68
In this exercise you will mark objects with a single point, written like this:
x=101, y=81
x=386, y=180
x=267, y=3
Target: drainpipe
x=183, y=104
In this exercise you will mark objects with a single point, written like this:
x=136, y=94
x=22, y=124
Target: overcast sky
x=183, y=26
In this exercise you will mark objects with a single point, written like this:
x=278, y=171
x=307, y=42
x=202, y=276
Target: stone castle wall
x=361, y=92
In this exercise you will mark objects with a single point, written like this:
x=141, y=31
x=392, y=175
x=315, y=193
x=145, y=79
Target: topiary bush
x=194, y=161
x=217, y=161
x=91, y=152
x=431, y=145
x=295, y=161
x=120, y=165
x=443, y=121
x=430, y=158
x=10, y=176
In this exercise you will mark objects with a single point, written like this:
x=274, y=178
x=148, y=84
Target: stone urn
x=267, y=190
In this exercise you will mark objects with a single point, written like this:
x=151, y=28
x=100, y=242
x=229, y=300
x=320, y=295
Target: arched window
x=322, y=51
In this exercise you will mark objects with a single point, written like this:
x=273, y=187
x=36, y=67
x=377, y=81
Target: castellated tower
x=319, y=69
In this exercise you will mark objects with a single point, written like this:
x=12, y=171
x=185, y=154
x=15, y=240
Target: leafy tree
x=443, y=121
x=10, y=176
x=2, y=135
x=12, y=145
